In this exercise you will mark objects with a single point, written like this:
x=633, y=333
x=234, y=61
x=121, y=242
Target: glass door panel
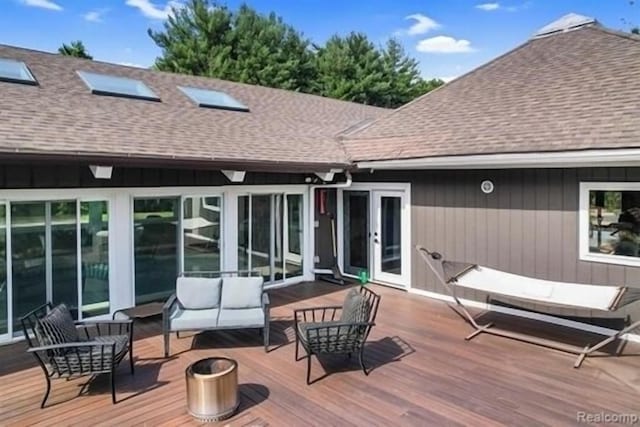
x=244, y=233
x=28, y=246
x=155, y=247
x=390, y=234
x=64, y=253
x=261, y=235
x=295, y=228
x=4, y=306
x=356, y=231
x=201, y=233
x=388, y=212
x=94, y=232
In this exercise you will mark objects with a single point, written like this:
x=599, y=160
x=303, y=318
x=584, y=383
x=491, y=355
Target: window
x=15, y=72
x=213, y=99
x=103, y=84
x=610, y=222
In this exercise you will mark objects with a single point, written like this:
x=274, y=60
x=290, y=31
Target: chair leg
x=265, y=332
x=308, y=369
x=113, y=384
x=46, y=393
x=131, y=359
x=167, y=339
x=297, y=345
x=361, y=358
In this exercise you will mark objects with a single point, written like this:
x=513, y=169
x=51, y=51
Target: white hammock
x=594, y=297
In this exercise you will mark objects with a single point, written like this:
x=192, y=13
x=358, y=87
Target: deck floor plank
x=424, y=373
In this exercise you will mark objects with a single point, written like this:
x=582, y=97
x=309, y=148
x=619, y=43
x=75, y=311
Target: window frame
x=583, y=223
x=32, y=81
x=85, y=76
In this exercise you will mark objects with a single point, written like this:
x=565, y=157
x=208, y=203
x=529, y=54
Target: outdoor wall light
x=101, y=172
x=487, y=186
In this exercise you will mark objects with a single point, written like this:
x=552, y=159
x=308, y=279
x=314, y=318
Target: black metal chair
x=62, y=352
x=337, y=329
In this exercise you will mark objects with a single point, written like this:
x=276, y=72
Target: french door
x=375, y=233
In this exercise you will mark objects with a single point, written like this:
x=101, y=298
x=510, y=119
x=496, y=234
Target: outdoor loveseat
x=206, y=303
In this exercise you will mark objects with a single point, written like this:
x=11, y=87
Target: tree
x=76, y=49
x=352, y=69
x=204, y=38
x=403, y=75
x=208, y=39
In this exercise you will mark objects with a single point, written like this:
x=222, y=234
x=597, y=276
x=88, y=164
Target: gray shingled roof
x=573, y=90
x=60, y=116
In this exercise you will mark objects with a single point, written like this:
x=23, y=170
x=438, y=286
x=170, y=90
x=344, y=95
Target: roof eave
x=623, y=157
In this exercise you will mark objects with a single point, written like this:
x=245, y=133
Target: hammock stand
x=472, y=276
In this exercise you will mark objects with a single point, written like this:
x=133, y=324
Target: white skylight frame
x=206, y=98
x=136, y=89
x=23, y=75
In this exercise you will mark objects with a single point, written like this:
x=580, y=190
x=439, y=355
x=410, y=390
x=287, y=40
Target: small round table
x=212, y=388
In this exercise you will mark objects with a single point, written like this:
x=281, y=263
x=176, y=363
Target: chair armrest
x=316, y=314
x=106, y=327
x=265, y=299
x=70, y=346
x=167, y=308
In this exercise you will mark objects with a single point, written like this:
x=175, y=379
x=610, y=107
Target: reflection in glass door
x=155, y=247
x=201, y=233
x=356, y=231
x=270, y=228
x=4, y=288
x=28, y=246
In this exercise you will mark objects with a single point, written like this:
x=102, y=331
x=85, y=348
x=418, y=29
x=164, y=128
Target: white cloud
x=447, y=79
x=95, y=15
x=488, y=6
x=43, y=4
x=132, y=64
x=154, y=11
x=444, y=44
x=423, y=24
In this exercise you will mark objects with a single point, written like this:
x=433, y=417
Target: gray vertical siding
x=528, y=225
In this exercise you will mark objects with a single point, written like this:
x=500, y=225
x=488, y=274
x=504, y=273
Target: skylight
x=213, y=99
x=15, y=72
x=104, y=84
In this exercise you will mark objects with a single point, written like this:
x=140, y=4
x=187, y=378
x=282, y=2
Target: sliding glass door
x=59, y=254
x=155, y=228
x=201, y=233
x=270, y=235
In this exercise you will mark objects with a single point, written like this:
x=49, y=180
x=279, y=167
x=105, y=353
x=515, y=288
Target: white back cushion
x=241, y=292
x=198, y=293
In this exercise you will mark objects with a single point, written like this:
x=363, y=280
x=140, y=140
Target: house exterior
x=116, y=179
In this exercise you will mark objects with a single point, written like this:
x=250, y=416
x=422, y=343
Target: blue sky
x=448, y=37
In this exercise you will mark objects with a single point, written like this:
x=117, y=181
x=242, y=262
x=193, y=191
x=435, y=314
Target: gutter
x=312, y=210
x=623, y=157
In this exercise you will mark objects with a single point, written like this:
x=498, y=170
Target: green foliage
x=76, y=49
x=208, y=39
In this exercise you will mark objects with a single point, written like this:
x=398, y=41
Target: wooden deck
x=424, y=373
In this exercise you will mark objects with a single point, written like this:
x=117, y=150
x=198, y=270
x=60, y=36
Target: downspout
x=312, y=209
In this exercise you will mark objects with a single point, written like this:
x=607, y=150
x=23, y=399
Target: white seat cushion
x=246, y=318
x=198, y=293
x=194, y=319
x=241, y=292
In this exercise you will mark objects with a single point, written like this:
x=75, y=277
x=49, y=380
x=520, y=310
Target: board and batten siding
x=528, y=226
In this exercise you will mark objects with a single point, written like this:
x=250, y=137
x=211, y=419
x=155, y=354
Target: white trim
x=583, y=223
x=527, y=314
x=9, y=271
x=559, y=159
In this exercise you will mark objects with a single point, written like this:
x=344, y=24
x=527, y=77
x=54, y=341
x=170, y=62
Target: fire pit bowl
x=212, y=388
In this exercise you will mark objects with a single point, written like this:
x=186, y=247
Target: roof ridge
x=206, y=78
x=613, y=32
